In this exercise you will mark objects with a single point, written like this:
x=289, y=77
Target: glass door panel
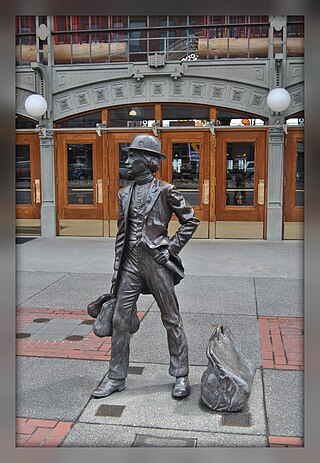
x=299, y=197
x=23, y=175
x=80, y=181
x=240, y=174
x=187, y=167
x=185, y=170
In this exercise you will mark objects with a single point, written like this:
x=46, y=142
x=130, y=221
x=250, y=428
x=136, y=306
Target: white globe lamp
x=278, y=99
x=36, y=105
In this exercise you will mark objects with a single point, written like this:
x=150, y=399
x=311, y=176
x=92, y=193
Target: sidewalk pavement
x=254, y=287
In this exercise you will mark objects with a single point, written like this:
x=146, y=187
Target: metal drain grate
x=74, y=337
x=242, y=420
x=135, y=370
x=110, y=410
x=41, y=320
x=22, y=335
x=143, y=440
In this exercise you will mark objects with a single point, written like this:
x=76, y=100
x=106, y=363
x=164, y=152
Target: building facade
x=198, y=83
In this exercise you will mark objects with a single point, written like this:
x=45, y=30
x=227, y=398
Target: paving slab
x=76, y=290
x=280, y=296
x=29, y=284
x=55, y=389
x=217, y=295
x=99, y=435
x=147, y=402
x=59, y=326
x=284, y=396
x=201, y=257
x=149, y=344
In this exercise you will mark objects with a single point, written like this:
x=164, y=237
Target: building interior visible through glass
x=100, y=39
x=23, y=175
x=300, y=174
x=240, y=174
x=80, y=183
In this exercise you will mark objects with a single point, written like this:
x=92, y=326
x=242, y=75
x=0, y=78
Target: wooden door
x=80, y=184
x=187, y=167
x=28, y=177
x=241, y=183
x=293, y=191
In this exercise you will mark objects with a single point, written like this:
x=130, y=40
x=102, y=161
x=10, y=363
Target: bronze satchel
x=226, y=383
x=102, y=310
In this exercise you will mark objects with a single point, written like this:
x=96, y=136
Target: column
x=275, y=184
x=48, y=207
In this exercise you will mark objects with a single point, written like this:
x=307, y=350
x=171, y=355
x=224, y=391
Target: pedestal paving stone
x=59, y=326
x=52, y=388
x=280, y=296
x=91, y=435
x=149, y=344
x=219, y=295
x=29, y=284
x=284, y=396
x=147, y=402
x=76, y=291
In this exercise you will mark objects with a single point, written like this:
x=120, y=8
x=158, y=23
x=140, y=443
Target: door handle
x=37, y=193
x=261, y=191
x=99, y=191
x=205, y=191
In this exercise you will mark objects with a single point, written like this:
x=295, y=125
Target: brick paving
x=282, y=342
x=90, y=347
x=285, y=441
x=41, y=433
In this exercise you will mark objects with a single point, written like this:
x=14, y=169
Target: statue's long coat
x=163, y=200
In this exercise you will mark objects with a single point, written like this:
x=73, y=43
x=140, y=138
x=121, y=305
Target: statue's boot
x=181, y=388
x=110, y=386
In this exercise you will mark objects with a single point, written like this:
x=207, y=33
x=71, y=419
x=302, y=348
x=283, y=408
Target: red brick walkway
x=41, y=433
x=90, y=347
x=282, y=342
x=284, y=441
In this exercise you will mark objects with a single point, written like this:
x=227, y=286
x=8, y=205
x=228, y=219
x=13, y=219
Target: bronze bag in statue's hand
x=103, y=324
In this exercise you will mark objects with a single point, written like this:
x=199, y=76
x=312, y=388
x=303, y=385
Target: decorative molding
x=256, y=74
x=26, y=80
x=295, y=73
x=64, y=79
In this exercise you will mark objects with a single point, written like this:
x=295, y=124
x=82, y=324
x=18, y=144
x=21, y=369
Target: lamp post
x=278, y=100
x=37, y=106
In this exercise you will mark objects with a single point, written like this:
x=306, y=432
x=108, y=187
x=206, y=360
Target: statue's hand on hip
x=162, y=256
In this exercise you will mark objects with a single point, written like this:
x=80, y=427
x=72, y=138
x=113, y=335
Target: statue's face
x=136, y=164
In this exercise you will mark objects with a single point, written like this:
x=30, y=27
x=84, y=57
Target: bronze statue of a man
x=146, y=261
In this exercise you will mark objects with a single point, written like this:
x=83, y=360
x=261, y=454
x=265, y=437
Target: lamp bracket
x=156, y=128
x=43, y=131
x=99, y=127
x=211, y=125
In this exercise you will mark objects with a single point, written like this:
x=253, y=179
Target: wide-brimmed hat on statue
x=147, y=143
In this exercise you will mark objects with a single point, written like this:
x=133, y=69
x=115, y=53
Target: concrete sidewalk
x=254, y=287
